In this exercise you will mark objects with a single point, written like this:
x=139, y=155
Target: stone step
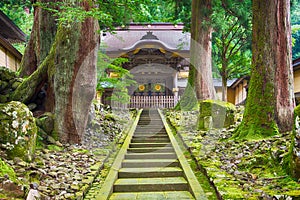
x=150, y=118
x=144, y=145
x=149, y=131
x=150, y=140
x=154, y=172
x=168, y=195
x=153, y=150
x=150, y=123
x=132, y=163
x=151, y=156
x=150, y=184
x=151, y=136
x=140, y=126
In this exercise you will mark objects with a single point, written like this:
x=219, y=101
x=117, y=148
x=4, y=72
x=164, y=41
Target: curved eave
x=116, y=54
x=148, y=44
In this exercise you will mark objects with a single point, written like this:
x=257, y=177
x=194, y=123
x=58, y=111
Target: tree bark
x=285, y=101
x=70, y=70
x=224, y=87
x=41, y=39
x=270, y=101
x=200, y=82
x=75, y=77
x=201, y=48
x=38, y=48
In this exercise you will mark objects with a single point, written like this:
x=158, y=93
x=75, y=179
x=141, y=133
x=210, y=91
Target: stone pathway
x=151, y=166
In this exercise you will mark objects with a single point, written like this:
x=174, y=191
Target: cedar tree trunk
x=270, y=101
x=41, y=39
x=200, y=82
x=201, y=49
x=70, y=69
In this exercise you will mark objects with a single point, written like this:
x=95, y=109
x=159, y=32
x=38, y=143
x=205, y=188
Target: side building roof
x=10, y=33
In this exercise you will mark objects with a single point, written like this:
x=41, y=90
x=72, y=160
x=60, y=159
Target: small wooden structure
x=237, y=91
x=10, y=33
x=296, y=68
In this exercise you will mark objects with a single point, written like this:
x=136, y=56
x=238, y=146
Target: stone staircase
x=151, y=168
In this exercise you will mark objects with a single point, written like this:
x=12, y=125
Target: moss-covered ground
x=238, y=169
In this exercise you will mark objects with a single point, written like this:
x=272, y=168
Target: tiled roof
x=163, y=35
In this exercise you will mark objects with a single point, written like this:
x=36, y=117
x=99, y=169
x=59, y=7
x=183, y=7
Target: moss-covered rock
x=295, y=148
x=7, y=74
x=46, y=122
x=219, y=113
x=9, y=81
x=6, y=170
x=18, y=130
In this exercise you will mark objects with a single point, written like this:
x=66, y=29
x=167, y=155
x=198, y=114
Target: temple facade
x=158, y=56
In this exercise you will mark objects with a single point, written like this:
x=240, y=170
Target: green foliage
x=297, y=111
x=16, y=12
x=295, y=21
x=164, y=11
x=109, y=13
x=120, y=83
x=296, y=41
x=295, y=12
x=232, y=38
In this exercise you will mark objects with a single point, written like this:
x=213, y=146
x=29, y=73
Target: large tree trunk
x=41, y=39
x=285, y=101
x=70, y=70
x=75, y=78
x=201, y=48
x=200, y=82
x=270, y=101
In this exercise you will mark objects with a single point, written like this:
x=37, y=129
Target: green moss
x=17, y=130
x=222, y=113
x=84, y=151
x=54, y=148
x=255, y=131
x=7, y=170
x=290, y=163
x=188, y=100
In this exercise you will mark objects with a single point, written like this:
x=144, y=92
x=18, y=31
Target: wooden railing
x=153, y=101
x=149, y=102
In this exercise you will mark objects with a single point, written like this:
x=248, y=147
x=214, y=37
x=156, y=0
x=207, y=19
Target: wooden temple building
x=158, y=57
x=10, y=33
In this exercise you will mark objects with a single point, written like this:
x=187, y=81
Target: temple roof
x=165, y=36
x=9, y=31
